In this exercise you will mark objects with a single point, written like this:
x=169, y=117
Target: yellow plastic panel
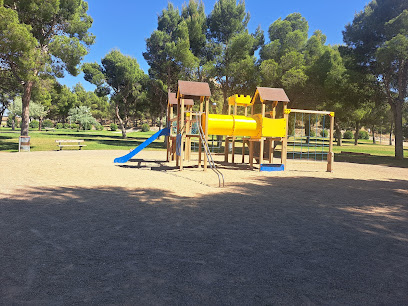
x=274, y=127
x=229, y=125
x=245, y=126
x=240, y=100
x=255, y=127
x=219, y=124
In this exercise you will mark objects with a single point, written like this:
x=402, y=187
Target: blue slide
x=125, y=158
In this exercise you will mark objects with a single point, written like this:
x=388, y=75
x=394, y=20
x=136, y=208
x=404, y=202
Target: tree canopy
x=378, y=41
x=42, y=38
x=120, y=77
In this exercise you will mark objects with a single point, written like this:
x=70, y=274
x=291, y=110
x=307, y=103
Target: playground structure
x=264, y=128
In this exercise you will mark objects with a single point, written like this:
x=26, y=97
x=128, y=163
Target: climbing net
x=309, y=135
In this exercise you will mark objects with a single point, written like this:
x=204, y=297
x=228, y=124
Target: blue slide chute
x=123, y=159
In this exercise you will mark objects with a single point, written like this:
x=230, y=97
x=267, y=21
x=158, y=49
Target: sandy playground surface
x=77, y=229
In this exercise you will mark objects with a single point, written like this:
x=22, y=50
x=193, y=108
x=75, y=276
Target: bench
x=48, y=129
x=70, y=143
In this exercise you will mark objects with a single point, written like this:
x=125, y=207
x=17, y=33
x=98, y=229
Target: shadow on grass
x=9, y=146
x=113, y=140
x=129, y=143
x=324, y=241
x=91, y=135
x=372, y=160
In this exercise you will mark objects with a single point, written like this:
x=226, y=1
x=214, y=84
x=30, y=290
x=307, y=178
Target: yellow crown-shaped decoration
x=240, y=100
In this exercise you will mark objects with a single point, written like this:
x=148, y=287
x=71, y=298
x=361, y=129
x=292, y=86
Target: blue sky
x=125, y=24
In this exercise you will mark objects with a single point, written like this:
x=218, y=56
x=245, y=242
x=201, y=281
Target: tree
x=378, y=39
x=82, y=116
x=194, y=15
x=9, y=89
x=121, y=77
x=168, y=48
x=62, y=100
x=37, y=111
x=284, y=60
x=5, y=100
x=234, y=64
x=41, y=38
x=98, y=105
x=156, y=99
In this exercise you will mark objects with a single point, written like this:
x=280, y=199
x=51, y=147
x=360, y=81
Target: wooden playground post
x=182, y=128
x=200, y=145
x=188, y=132
x=226, y=149
x=226, y=143
x=262, y=140
x=168, y=137
x=233, y=137
x=285, y=139
x=243, y=149
x=330, y=155
x=251, y=143
x=251, y=154
x=178, y=131
x=271, y=141
x=207, y=112
x=243, y=138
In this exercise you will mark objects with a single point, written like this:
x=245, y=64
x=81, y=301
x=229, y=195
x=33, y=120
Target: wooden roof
x=267, y=94
x=193, y=90
x=173, y=99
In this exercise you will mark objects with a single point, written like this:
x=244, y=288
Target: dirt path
x=76, y=229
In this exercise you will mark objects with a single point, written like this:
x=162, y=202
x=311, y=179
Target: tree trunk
x=122, y=126
x=391, y=128
x=338, y=134
x=40, y=123
x=225, y=96
x=399, y=139
x=374, y=142
x=356, y=134
x=1, y=115
x=25, y=114
x=307, y=130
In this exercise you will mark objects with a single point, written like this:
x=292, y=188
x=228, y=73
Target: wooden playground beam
x=293, y=110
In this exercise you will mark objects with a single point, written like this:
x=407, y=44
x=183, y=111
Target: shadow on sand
x=279, y=241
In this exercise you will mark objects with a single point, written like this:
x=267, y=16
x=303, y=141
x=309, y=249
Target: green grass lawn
x=94, y=140
x=108, y=140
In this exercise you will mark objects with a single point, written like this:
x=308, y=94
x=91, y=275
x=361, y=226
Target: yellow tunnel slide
x=254, y=127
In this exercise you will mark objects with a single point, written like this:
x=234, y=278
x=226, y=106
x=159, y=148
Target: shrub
x=312, y=133
x=145, y=127
x=82, y=116
x=363, y=135
x=405, y=130
x=59, y=125
x=34, y=124
x=324, y=133
x=87, y=126
x=9, y=122
x=66, y=126
x=113, y=126
x=48, y=123
x=348, y=135
x=99, y=127
x=74, y=126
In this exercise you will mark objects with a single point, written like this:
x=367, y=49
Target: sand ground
x=77, y=229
